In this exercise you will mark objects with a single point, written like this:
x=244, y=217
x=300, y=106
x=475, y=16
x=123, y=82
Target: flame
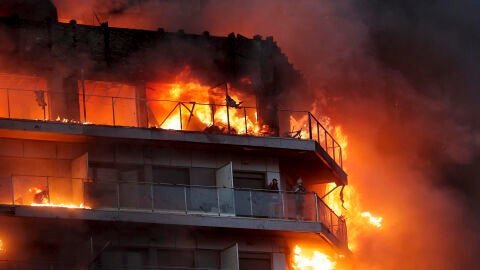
x=73, y=206
x=316, y=260
x=358, y=221
x=187, y=104
x=375, y=221
x=2, y=247
x=41, y=198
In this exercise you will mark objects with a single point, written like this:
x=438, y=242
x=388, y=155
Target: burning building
x=134, y=149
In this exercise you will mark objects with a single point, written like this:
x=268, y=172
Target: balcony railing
x=168, y=198
x=169, y=114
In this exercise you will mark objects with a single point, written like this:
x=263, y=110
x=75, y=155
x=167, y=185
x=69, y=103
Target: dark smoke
x=401, y=77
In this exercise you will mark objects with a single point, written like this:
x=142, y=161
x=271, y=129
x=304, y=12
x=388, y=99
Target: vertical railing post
x=333, y=150
x=152, y=195
x=146, y=113
x=318, y=134
x=226, y=103
x=315, y=197
x=245, y=118
x=310, y=125
x=83, y=192
x=341, y=158
x=118, y=196
x=113, y=110
x=283, y=204
x=326, y=140
x=180, y=112
x=251, y=203
x=13, y=190
x=218, y=201
x=331, y=221
x=185, y=197
x=83, y=96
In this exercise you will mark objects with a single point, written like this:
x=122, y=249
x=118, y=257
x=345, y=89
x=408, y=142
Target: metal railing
x=169, y=114
x=169, y=198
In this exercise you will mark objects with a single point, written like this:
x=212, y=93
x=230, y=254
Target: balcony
x=120, y=111
x=193, y=205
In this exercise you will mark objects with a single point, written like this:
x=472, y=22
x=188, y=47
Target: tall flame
x=313, y=261
x=187, y=104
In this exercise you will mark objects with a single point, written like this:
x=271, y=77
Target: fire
x=358, y=221
x=315, y=260
x=73, y=206
x=2, y=247
x=188, y=104
x=41, y=197
x=375, y=221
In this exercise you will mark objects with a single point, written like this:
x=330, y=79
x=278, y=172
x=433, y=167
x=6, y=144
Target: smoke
x=400, y=76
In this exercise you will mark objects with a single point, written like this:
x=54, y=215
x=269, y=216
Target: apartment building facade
x=136, y=149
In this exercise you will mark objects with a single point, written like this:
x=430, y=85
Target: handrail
x=150, y=116
x=190, y=199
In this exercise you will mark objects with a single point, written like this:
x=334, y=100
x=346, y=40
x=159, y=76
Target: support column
x=63, y=98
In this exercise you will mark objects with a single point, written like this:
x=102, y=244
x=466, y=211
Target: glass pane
x=169, y=198
x=6, y=190
x=30, y=190
x=266, y=204
x=101, y=195
x=227, y=201
x=125, y=112
x=65, y=191
x=28, y=104
x=135, y=196
x=4, y=106
x=242, y=203
x=202, y=200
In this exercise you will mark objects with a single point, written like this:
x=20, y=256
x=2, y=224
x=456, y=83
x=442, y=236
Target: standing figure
x=274, y=202
x=299, y=190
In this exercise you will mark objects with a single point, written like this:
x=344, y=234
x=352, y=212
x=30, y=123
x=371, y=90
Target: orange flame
x=187, y=104
x=41, y=198
x=73, y=206
x=375, y=221
x=2, y=247
x=316, y=260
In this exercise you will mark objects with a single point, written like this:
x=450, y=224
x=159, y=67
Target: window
x=124, y=258
x=176, y=258
x=171, y=175
x=254, y=180
x=249, y=261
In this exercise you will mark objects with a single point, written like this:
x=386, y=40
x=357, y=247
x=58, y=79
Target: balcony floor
x=303, y=150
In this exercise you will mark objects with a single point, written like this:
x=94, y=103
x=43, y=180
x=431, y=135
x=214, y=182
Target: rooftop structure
x=134, y=149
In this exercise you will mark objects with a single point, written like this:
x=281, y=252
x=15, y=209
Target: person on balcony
x=274, y=200
x=299, y=190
